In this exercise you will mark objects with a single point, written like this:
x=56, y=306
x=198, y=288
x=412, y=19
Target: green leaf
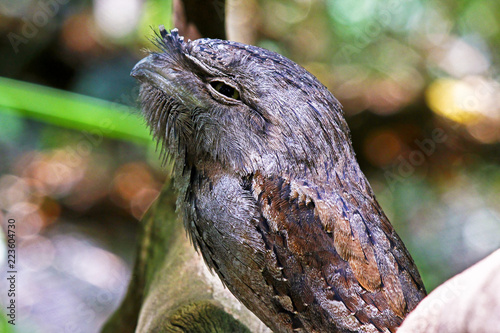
x=70, y=110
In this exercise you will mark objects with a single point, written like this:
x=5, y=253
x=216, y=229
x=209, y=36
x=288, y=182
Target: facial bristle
x=163, y=31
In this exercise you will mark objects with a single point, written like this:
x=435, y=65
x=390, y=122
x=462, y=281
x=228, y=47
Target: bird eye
x=225, y=89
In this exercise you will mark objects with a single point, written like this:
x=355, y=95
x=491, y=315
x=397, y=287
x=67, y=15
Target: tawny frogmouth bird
x=270, y=191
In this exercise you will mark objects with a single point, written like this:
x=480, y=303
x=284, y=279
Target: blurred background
x=420, y=85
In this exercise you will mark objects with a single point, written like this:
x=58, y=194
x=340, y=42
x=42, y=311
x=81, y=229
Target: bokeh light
x=472, y=101
x=67, y=278
x=117, y=18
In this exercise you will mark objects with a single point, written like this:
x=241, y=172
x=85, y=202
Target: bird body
x=270, y=190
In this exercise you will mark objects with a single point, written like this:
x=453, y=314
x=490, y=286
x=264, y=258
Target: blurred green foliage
x=70, y=110
x=5, y=327
x=401, y=68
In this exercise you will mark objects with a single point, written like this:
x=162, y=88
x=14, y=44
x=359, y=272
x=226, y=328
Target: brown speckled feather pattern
x=296, y=266
x=270, y=190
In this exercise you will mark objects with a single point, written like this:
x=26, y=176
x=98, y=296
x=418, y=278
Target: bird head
x=242, y=106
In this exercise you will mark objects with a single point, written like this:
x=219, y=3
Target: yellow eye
x=225, y=89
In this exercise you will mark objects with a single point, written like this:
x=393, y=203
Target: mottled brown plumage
x=270, y=191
